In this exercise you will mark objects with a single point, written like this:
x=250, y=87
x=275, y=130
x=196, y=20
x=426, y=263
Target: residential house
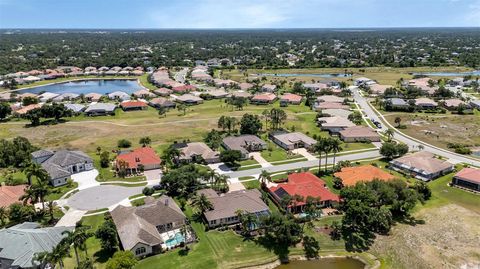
x=423, y=84
x=197, y=152
x=217, y=94
x=75, y=108
x=263, y=99
x=100, y=109
x=336, y=112
x=10, y=195
x=163, y=92
x=138, y=160
x=241, y=94
x=65, y=97
x=93, y=97
x=396, y=103
x=269, y=88
x=143, y=93
x=24, y=110
x=61, y=164
x=244, y=143
x=291, y=141
x=364, y=173
x=189, y=99
x=151, y=228
x=118, y=95
x=330, y=99
x=334, y=124
x=475, y=103
x=316, y=87
x=183, y=88
x=20, y=243
x=379, y=89
x=224, y=82
x=468, y=178
x=47, y=96
x=161, y=102
x=133, y=105
x=245, y=86
x=363, y=81
x=290, y=98
x=320, y=106
x=425, y=103
x=452, y=104
x=303, y=184
x=422, y=165
x=359, y=134
x=226, y=206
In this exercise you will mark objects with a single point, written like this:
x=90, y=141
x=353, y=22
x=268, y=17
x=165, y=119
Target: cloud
x=472, y=18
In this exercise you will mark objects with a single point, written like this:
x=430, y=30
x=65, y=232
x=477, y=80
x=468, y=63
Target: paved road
x=410, y=141
x=101, y=197
x=180, y=75
x=298, y=165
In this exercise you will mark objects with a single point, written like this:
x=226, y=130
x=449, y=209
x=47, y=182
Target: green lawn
x=245, y=178
x=252, y=184
x=106, y=174
x=57, y=192
x=248, y=162
x=275, y=153
x=290, y=161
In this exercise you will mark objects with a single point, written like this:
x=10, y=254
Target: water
x=88, y=86
x=335, y=75
x=327, y=263
x=449, y=74
x=175, y=241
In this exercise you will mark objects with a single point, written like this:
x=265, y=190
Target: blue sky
x=237, y=13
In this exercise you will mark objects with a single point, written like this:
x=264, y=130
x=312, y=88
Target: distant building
x=263, y=99
x=133, y=105
x=425, y=103
x=359, y=134
x=139, y=159
x=100, y=109
x=189, y=99
x=291, y=141
x=269, y=88
x=197, y=152
x=334, y=124
x=290, y=98
x=244, y=143
x=422, y=165
x=161, y=102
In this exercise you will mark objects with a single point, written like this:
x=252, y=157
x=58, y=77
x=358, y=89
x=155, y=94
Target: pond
x=101, y=86
x=449, y=74
x=326, y=263
x=335, y=75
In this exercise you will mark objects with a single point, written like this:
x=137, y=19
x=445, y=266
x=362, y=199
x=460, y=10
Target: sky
x=143, y=14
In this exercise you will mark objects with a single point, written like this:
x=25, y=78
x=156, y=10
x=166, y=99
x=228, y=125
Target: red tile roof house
x=290, y=98
x=359, y=134
x=11, y=194
x=303, y=184
x=133, y=105
x=183, y=89
x=139, y=159
x=468, y=178
x=263, y=99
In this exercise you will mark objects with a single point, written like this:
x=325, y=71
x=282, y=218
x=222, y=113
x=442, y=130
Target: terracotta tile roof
x=25, y=109
x=11, y=194
x=131, y=104
x=304, y=184
x=184, y=88
x=264, y=97
x=144, y=156
x=469, y=174
x=292, y=98
x=351, y=175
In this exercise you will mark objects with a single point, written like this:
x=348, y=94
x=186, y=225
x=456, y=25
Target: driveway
x=70, y=218
x=258, y=157
x=102, y=196
x=305, y=153
x=86, y=179
x=153, y=175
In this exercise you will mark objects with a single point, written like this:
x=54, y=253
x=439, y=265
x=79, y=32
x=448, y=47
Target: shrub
x=147, y=191
x=124, y=143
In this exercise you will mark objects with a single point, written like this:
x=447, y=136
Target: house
x=425, y=103
x=320, y=106
x=197, y=152
x=151, y=228
x=226, y=206
x=263, y=99
x=138, y=160
x=183, y=88
x=161, y=102
x=27, y=94
x=244, y=143
x=364, y=173
x=118, y=95
x=163, y=92
x=379, y=89
x=6, y=97
x=359, y=134
x=330, y=99
x=75, y=108
x=241, y=94
x=363, y=81
x=269, y=88
x=20, y=243
x=475, y=104
x=290, y=98
x=454, y=103
x=304, y=184
x=189, y=99
x=24, y=110
x=47, y=96
x=11, y=194
x=133, y=105
x=468, y=178
x=217, y=94
x=334, y=124
x=65, y=97
x=422, y=165
x=224, y=82
x=93, y=97
x=316, y=87
x=291, y=141
x=332, y=112
x=143, y=93
x=61, y=164
x=423, y=84
x=396, y=103
x=244, y=86
x=100, y=109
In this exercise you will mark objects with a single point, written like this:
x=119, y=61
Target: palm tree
x=212, y=176
x=389, y=133
x=29, y=196
x=52, y=206
x=56, y=256
x=398, y=120
x=335, y=146
x=221, y=181
x=201, y=203
x=319, y=149
x=37, y=171
x=327, y=149
x=266, y=116
x=3, y=215
x=264, y=177
x=171, y=154
x=77, y=238
x=41, y=190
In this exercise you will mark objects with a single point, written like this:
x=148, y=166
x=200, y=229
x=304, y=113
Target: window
x=140, y=250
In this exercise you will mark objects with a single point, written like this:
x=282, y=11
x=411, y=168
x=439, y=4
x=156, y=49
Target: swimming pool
x=175, y=240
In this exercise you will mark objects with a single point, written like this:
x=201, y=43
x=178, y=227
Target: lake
x=326, y=263
x=101, y=86
x=336, y=75
x=449, y=74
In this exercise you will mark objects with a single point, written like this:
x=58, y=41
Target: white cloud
x=472, y=18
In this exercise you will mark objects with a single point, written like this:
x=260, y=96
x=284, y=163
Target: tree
x=145, y=141
x=18, y=212
x=277, y=118
x=124, y=143
x=170, y=155
x=148, y=191
x=5, y=110
x=181, y=182
x=264, y=177
x=52, y=207
x=356, y=117
x=107, y=234
x=105, y=159
x=162, y=111
x=221, y=183
x=335, y=147
x=319, y=148
x=56, y=256
x=250, y=124
x=99, y=150
x=389, y=133
x=398, y=120
x=33, y=116
x=122, y=260
x=183, y=108
x=78, y=238
x=3, y=215
x=311, y=247
x=34, y=170
x=266, y=116
x=388, y=150
x=29, y=100
x=231, y=157
x=201, y=203
x=213, y=139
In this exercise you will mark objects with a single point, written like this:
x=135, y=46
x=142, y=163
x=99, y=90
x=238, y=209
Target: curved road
x=102, y=196
x=410, y=141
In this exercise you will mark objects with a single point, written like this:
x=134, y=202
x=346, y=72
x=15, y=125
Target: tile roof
x=133, y=104
x=331, y=105
x=423, y=161
x=304, y=184
x=454, y=102
x=332, y=112
x=101, y=106
x=192, y=149
x=358, y=132
x=335, y=122
x=264, y=97
x=330, y=99
x=425, y=101
x=25, y=109
x=162, y=91
x=290, y=97
x=295, y=137
x=351, y=175
x=243, y=142
x=145, y=156
x=11, y=194
x=469, y=174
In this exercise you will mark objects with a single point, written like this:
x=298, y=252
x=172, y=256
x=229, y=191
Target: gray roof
x=242, y=142
x=398, y=102
x=227, y=205
x=292, y=138
x=332, y=112
x=75, y=107
x=20, y=242
x=56, y=164
x=192, y=149
x=101, y=106
x=41, y=153
x=119, y=94
x=138, y=224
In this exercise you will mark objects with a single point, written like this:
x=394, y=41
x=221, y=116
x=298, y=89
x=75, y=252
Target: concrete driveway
x=86, y=179
x=304, y=152
x=258, y=157
x=102, y=196
x=153, y=175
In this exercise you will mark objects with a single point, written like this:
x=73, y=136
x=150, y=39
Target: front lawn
x=57, y=192
x=275, y=153
x=252, y=184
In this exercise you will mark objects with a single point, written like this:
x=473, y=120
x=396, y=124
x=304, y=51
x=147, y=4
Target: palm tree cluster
x=275, y=116
x=327, y=145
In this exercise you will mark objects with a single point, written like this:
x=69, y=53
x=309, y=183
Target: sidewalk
x=71, y=217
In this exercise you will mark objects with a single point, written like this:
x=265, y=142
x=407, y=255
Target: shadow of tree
x=281, y=251
x=102, y=256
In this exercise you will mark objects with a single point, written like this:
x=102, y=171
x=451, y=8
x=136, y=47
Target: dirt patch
x=450, y=238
